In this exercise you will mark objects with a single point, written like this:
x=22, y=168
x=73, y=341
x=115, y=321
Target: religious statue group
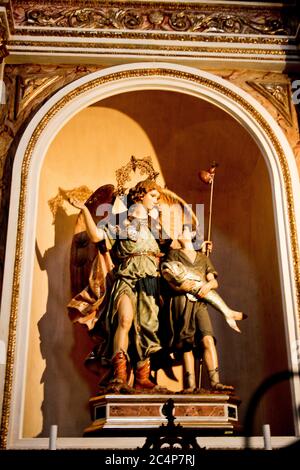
x=146, y=292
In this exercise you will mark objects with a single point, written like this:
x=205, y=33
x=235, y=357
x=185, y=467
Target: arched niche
x=228, y=106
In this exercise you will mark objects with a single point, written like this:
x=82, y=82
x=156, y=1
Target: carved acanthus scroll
x=142, y=16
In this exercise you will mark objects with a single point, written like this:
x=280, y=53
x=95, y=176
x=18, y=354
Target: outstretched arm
x=96, y=234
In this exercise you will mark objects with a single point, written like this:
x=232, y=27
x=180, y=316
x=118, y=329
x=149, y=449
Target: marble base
x=203, y=411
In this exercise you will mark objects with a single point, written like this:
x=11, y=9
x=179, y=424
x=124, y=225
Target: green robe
x=137, y=276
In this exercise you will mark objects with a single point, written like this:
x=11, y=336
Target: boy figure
x=192, y=278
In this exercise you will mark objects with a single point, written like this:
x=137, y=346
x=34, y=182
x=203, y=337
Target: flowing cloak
x=184, y=322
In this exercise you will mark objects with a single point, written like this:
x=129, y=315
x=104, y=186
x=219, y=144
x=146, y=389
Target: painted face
x=150, y=199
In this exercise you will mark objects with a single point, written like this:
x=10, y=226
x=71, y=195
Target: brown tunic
x=189, y=321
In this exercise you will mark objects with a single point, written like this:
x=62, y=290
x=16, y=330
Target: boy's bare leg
x=211, y=361
x=189, y=381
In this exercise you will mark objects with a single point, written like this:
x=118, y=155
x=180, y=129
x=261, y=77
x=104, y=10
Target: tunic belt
x=141, y=253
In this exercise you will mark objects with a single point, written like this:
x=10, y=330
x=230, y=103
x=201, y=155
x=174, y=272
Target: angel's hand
x=76, y=203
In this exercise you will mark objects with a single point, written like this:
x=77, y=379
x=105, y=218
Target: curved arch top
x=42, y=129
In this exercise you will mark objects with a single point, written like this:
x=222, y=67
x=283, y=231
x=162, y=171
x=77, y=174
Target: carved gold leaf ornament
x=81, y=194
x=168, y=16
x=278, y=93
x=144, y=22
x=206, y=82
x=145, y=167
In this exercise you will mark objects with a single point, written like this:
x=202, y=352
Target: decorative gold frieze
x=175, y=16
x=143, y=24
x=279, y=95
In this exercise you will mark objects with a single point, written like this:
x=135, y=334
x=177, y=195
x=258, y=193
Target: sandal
x=219, y=387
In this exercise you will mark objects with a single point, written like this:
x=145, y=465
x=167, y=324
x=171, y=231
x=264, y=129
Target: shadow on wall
x=63, y=345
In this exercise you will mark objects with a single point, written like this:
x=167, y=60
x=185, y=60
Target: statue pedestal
x=214, y=412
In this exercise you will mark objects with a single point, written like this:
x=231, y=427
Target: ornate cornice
x=139, y=28
x=152, y=16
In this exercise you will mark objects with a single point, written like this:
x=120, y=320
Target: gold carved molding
x=155, y=48
x=153, y=16
x=68, y=35
x=226, y=28
x=131, y=74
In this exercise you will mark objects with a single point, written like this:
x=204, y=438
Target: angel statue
x=120, y=304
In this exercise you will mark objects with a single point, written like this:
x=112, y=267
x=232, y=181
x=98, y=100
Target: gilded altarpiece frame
x=30, y=153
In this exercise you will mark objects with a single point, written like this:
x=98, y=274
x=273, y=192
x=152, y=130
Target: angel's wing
x=174, y=213
x=90, y=264
x=83, y=251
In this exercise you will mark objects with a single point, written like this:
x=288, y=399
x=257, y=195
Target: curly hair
x=137, y=193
